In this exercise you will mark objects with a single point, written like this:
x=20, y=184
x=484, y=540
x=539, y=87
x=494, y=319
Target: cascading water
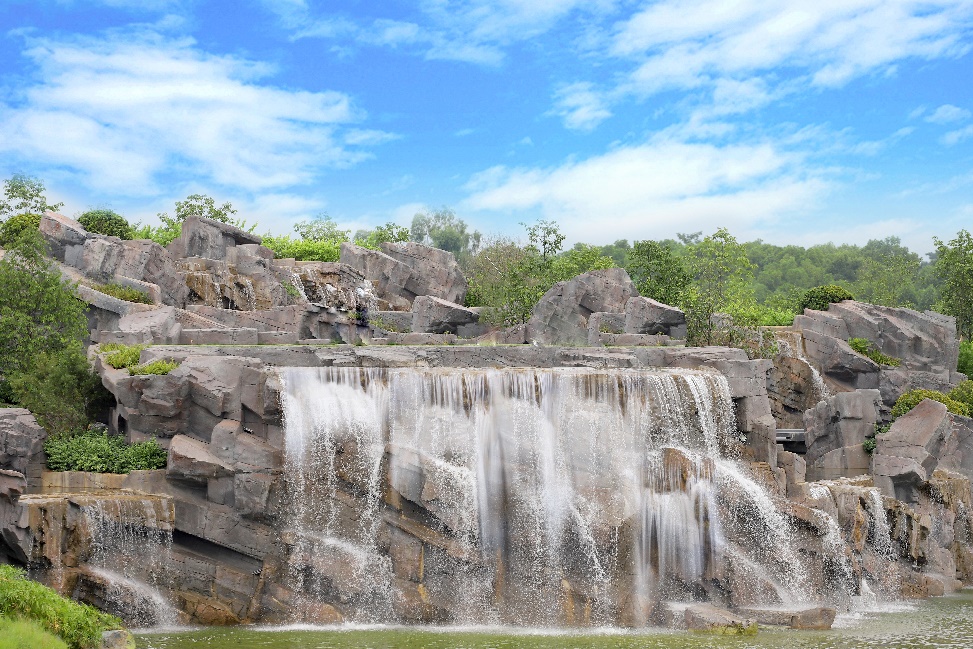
x=131, y=541
x=540, y=496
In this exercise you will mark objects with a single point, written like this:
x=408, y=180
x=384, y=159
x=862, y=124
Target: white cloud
x=648, y=190
x=957, y=136
x=125, y=109
x=947, y=114
x=683, y=44
x=581, y=106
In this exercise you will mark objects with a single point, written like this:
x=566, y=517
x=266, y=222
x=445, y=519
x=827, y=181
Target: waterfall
x=131, y=541
x=537, y=494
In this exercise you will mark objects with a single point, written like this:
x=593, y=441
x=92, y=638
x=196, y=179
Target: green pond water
x=934, y=623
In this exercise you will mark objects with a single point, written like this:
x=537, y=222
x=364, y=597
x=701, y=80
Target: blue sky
x=794, y=122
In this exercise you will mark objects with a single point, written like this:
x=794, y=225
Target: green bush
x=963, y=393
x=965, y=364
x=16, y=226
x=79, y=625
x=25, y=634
x=97, y=451
x=911, y=399
x=161, y=367
x=820, y=297
x=126, y=293
x=122, y=356
x=286, y=247
x=106, y=222
x=869, y=445
x=869, y=349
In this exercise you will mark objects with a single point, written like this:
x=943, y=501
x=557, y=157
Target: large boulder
x=401, y=272
x=209, y=239
x=835, y=430
x=909, y=452
x=436, y=316
x=561, y=316
x=21, y=441
x=644, y=315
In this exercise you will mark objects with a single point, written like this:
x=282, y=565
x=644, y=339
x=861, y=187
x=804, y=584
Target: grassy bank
x=77, y=625
x=24, y=634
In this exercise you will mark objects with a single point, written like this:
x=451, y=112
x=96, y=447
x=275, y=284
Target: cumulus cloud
x=957, y=136
x=580, y=106
x=947, y=114
x=120, y=110
x=646, y=190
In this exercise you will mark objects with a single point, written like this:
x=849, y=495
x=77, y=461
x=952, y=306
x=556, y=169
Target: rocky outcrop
x=209, y=239
x=644, y=315
x=835, y=430
x=21, y=443
x=711, y=619
x=561, y=316
x=401, y=272
x=436, y=316
x=926, y=344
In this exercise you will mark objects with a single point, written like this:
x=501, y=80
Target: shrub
x=161, y=367
x=106, y=222
x=126, y=293
x=16, y=226
x=965, y=364
x=381, y=323
x=820, y=297
x=79, y=625
x=963, y=393
x=122, y=356
x=869, y=445
x=286, y=247
x=25, y=634
x=869, y=349
x=911, y=399
x=95, y=450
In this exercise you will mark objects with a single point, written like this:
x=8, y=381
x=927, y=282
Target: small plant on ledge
x=870, y=350
x=126, y=293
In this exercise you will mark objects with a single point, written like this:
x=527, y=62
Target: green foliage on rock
x=24, y=194
x=869, y=445
x=119, y=356
x=911, y=399
x=963, y=393
x=79, y=625
x=870, y=350
x=61, y=389
x=97, y=451
x=820, y=298
x=160, y=367
x=126, y=293
x=39, y=311
x=17, y=226
x=107, y=222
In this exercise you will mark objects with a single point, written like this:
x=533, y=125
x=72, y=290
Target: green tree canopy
x=659, y=273
x=954, y=267
x=444, y=230
x=24, y=194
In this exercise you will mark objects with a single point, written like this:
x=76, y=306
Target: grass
x=24, y=634
x=122, y=356
x=870, y=350
x=126, y=293
x=78, y=625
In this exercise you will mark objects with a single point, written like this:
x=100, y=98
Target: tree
x=199, y=205
x=658, y=272
x=24, y=195
x=723, y=277
x=321, y=228
x=388, y=233
x=319, y=239
x=444, y=230
x=107, y=222
x=39, y=312
x=886, y=281
x=954, y=267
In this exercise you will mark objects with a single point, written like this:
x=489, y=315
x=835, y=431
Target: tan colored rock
x=710, y=619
